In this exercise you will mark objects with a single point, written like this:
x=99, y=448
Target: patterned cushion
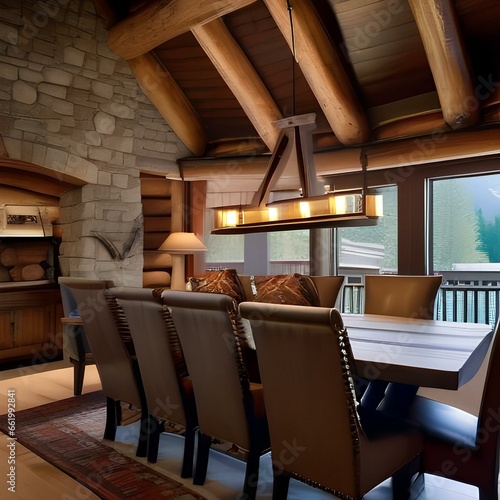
x=225, y=281
x=292, y=289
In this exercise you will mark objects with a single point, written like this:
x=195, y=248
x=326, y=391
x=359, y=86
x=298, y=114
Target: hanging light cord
x=289, y=7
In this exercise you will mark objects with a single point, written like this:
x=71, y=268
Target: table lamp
x=178, y=245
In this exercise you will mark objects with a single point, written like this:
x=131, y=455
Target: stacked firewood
x=25, y=261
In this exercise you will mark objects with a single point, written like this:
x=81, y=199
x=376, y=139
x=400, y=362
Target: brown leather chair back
x=76, y=348
x=229, y=406
x=149, y=331
x=404, y=296
x=114, y=363
x=328, y=289
x=208, y=342
x=109, y=338
x=167, y=386
x=316, y=436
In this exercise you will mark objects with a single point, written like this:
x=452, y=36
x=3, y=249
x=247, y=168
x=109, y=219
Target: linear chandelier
x=311, y=205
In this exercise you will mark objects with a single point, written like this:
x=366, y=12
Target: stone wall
x=69, y=104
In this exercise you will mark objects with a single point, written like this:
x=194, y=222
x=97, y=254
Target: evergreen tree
x=489, y=236
x=481, y=231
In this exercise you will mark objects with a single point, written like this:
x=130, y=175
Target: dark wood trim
x=195, y=264
x=411, y=184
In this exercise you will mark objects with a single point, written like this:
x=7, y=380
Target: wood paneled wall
x=163, y=211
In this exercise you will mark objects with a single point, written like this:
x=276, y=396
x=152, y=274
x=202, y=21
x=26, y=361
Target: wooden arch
x=37, y=184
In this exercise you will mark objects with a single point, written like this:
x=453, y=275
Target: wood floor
x=34, y=386
x=36, y=479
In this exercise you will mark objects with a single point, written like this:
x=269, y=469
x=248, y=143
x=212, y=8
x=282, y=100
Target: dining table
x=420, y=352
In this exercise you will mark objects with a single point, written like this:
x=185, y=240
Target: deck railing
x=470, y=297
x=275, y=266
x=466, y=297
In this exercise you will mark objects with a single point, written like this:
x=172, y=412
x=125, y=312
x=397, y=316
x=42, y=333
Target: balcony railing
x=465, y=297
x=275, y=266
x=470, y=297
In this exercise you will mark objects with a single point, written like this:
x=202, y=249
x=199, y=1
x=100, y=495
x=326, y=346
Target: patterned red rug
x=60, y=433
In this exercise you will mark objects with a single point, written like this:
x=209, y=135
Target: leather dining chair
x=230, y=407
x=110, y=340
x=76, y=348
x=328, y=288
x=461, y=446
x=317, y=435
x=167, y=386
x=402, y=296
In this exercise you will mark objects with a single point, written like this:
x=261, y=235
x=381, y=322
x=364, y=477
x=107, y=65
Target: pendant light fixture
x=291, y=195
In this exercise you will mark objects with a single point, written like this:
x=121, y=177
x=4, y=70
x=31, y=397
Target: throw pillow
x=292, y=289
x=225, y=281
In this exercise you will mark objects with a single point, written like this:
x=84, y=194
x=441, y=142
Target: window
x=465, y=223
x=360, y=250
x=464, y=230
x=223, y=250
x=372, y=249
x=289, y=252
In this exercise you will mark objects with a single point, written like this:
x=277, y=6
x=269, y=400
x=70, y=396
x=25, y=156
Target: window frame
x=413, y=208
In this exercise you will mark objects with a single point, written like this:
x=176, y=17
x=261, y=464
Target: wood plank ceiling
x=377, y=73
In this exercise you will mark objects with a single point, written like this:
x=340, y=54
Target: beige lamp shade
x=183, y=244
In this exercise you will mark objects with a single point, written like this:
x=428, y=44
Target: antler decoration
x=128, y=245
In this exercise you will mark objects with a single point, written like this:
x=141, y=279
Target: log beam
x=440, y=146
x=160, y=21
x=438, y=26
x=322, y=67
x=241, y=77
x=170, y=101
x=413, y=126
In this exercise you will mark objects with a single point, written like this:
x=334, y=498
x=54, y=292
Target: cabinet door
x=6, y=329
x=32, y=326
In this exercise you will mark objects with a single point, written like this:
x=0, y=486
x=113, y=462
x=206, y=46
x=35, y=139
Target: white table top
x=427, y=353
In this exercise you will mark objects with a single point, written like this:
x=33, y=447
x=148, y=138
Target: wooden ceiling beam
x=171, y=102
x=438, y=147
x=160, y=21
x=322, y=67
x=241, y=77
x=242, y=174
x=440, y=32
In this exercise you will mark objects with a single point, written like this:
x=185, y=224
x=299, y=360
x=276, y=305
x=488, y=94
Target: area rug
x=61, y=433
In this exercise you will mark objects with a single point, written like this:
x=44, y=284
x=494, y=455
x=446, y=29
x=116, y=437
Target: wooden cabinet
x=6, y=330
x=30, y=324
